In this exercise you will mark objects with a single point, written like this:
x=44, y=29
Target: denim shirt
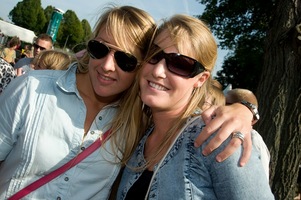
x=41, y=128
x=184, y=173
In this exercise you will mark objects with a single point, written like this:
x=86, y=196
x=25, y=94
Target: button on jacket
x=42, y=128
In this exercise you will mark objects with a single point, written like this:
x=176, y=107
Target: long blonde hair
x=192, y=36
x=132, y=29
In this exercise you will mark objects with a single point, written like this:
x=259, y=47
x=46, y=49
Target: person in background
x=7, y=74
x=239, y=95
x=166, y=165
x=9, y=53
x=27, y=52
x=43, y=42
x=53, y=59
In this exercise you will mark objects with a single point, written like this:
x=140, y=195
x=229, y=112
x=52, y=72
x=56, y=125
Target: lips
x=103, y=79
x=106, y=78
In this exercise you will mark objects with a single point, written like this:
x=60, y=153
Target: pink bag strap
x=47, y=178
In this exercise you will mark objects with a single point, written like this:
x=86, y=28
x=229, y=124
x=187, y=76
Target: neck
x=165, y=120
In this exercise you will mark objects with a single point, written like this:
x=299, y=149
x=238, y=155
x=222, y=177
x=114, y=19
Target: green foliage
x=242, y=68
x=29, y=14
x=71, y=31
x=87, y=30
x=48, y=13
x=241, y=27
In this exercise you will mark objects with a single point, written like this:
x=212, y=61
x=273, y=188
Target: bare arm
x=227, y=119
x=19, y=71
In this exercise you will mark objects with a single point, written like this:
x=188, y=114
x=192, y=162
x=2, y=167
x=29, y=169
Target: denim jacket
x=184, y=173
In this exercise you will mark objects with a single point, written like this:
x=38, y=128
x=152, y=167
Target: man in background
x=43, y=42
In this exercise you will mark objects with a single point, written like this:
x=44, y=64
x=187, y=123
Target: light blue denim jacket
x=186, y=174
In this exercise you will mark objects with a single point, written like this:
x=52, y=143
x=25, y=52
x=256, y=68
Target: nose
x=159, y=69
x=108, y=62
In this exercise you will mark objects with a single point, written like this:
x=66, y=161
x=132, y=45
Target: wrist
x=253, y=109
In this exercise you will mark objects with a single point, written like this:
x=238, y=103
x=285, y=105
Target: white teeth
x=106, y=78
x=156, y=86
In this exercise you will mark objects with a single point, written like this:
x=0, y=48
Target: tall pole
x=66, y=41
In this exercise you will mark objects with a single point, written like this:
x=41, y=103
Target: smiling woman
x=70, y=110
x=172, y=82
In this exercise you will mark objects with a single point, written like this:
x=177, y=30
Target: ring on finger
x=238, y=135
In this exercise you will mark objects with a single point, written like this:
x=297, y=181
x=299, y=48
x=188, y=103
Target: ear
x=201, y=79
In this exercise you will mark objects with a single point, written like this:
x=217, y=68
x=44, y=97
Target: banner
x=54, y=23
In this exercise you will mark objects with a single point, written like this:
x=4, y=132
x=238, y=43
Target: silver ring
x=238, y=135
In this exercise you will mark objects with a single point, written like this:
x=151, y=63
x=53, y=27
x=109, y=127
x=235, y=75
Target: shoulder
x=22, y=62
x=4, y=64
x=7, y=74
x=194, y=125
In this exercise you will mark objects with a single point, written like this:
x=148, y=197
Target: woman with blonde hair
x=165, y=164
x=49, y=117
x=52, y=59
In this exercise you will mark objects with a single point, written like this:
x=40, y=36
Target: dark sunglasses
x=125, y=61
x=178, y=64
x=38, y=47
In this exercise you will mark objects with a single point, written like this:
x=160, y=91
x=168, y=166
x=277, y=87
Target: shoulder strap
x=47, y=178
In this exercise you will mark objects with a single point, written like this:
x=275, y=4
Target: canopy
x=13, y=30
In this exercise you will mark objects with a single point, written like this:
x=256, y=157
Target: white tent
x=13, y=30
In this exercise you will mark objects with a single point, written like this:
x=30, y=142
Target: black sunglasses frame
x=36, y=46
x=125, y=61
x=190, y=68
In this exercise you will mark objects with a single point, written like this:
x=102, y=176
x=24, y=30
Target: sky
x=90, y=10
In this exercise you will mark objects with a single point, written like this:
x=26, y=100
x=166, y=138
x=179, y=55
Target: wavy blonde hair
x=193, y=37
x=132, y=29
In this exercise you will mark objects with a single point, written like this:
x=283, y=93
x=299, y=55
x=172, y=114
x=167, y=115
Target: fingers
x=226, y=120
x=229, y=150
x=209, y=114
x=234, y=143
x=223, y=133
x=207, y=131
x=212, y=125
x=247, y=149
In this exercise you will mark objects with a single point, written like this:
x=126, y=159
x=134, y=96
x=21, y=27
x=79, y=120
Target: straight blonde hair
x=53, y=59
x=193, y=37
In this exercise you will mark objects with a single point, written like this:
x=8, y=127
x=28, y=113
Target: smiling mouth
x=105, y=78
x=157, y=87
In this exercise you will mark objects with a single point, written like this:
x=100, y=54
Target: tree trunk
x=279, y=94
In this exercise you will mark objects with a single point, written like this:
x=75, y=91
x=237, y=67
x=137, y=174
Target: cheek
x=146, y=69
x=92, y=63
x=126, y=79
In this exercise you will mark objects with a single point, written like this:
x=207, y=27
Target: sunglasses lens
x=126, y=62
x=38, y=47
x=97, y=50
x=156, y=58
x=180, y=65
